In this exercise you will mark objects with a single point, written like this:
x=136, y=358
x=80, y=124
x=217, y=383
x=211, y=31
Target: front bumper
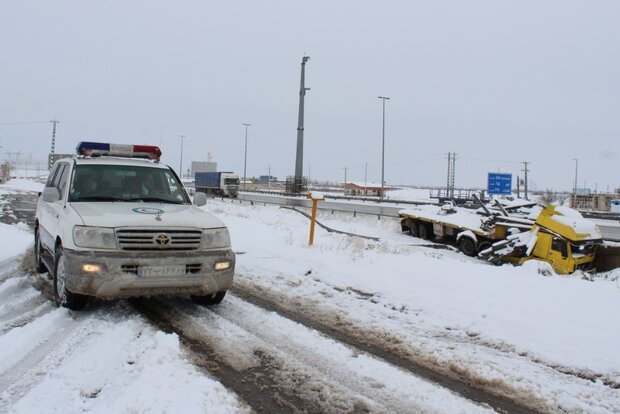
x=118, y=276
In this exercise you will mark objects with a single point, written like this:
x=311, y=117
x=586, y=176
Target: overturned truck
x=510, y=234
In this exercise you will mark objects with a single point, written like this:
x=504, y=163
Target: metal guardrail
x=347, y=198
x=611, y=233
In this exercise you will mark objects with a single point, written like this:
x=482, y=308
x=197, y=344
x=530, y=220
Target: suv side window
x=50, y=178
x=62, y=182
x=61, y=171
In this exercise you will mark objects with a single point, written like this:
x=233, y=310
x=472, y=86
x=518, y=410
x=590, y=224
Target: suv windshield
x=98, y=182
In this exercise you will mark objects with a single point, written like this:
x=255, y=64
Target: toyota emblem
x=162, y=240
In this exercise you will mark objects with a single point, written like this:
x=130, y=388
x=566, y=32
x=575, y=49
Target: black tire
x=39, y=266
x=424, y=232
x=62, y=296
x=483, y=246
x=468, y=246
x=213, y=299
x=413, y=229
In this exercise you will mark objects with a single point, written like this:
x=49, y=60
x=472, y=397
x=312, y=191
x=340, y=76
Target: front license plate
x=150, y=271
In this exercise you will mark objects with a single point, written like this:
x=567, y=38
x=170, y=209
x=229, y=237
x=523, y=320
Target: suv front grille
x=191, y=268
x=159, y=239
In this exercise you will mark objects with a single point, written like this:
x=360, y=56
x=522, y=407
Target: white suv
x=111, y=225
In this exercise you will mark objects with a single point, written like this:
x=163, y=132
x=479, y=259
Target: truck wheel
x=62, y=297
x=424, y=232
x=213, y=299
x=468, y=246
x=483, y=246
x=39, y=266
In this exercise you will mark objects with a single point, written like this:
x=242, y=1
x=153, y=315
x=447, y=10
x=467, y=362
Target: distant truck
x=557, y=235
x=221, y=183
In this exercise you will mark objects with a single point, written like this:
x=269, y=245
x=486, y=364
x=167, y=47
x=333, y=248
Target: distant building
x=203, y=166
x=596, y=202
x=361, y=189
x=267, y=178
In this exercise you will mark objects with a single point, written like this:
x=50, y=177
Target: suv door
x=50, y=211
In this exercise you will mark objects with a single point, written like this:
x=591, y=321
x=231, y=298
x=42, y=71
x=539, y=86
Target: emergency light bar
x=95, y=149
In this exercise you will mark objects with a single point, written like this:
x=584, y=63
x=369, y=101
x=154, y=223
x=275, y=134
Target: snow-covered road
x=347, y=325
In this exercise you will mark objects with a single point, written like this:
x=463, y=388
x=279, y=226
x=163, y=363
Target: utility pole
x=525, y=170
x=518, y=187
x=245, y=157
x=51, y=159
x=383, y=98
x=299, y=160
x=575, y=186
x=450, y=179
x=345, y=174
x=181, y=163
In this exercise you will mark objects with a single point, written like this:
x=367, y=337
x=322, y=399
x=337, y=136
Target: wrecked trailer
x=559, y=236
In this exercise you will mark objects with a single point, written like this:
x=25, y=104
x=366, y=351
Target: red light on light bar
x=153, y=152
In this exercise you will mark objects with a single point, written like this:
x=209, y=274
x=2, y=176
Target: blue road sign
x=499, y=184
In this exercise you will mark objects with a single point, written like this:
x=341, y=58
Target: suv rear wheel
x=62, y=297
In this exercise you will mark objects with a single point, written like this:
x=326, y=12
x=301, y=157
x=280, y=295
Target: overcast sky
x=497, y=82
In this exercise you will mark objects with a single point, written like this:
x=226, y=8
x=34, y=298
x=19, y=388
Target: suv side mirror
x=51, y=194
x=200, y=199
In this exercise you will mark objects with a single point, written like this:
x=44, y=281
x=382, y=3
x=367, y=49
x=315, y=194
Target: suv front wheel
x=208, y=300
x=38, y=261
x=63, y=297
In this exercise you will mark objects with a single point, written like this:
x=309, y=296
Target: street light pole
x=383, y=98
x=299, y=157
x=366, y=179
x=575, y=186
x=245, y=157
x=181, y=163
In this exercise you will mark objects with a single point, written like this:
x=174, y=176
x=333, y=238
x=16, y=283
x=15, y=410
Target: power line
x=24, y=123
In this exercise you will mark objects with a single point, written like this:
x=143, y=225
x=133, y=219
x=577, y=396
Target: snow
x=565, y=322
x=461, y=218
x=552, y=339
x=573, y=218
x=21, y=184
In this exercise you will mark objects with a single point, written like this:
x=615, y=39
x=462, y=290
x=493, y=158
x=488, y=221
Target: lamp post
x=366, y=179
x=245, y=157
x=181, y=162
x=383, y=98
x=575, y=186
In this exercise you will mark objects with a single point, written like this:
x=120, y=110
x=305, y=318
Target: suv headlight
x=94, y=237
x=215, y=238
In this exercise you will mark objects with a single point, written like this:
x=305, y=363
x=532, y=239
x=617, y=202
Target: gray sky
x=497, y=82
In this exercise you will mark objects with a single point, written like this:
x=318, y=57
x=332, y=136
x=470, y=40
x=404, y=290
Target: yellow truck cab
x=564, y=239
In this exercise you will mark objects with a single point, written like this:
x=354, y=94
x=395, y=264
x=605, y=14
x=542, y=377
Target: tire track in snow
x=51, y=338
x=277, y=365
x=20, y=303
x=359, y=372
x=386, y=348
x=253, y=383
x=482, y=369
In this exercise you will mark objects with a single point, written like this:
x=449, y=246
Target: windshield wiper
x=96, y=198
x=153, y=199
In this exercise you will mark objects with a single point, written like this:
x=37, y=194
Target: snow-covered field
x=551, y=339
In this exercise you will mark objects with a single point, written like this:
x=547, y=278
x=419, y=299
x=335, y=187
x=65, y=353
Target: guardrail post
x=315, y=201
